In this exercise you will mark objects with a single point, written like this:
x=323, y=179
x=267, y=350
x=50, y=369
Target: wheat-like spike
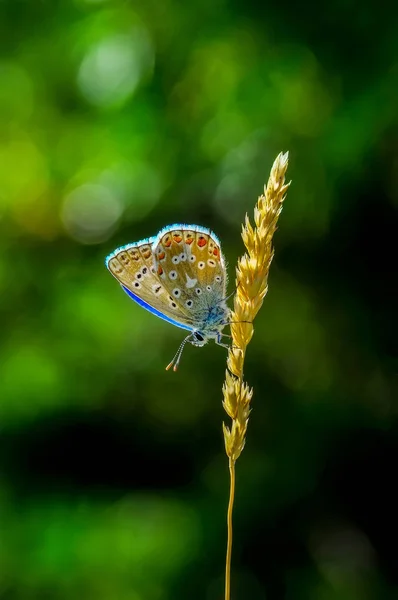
x=251, y=287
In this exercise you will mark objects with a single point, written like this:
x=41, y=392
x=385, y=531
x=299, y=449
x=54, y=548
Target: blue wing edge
x=152, y=310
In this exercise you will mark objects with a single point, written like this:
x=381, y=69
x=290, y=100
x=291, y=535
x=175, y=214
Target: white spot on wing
x=190, y=282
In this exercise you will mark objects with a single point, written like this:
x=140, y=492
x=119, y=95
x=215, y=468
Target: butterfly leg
x=219, y=342
x=223, y=345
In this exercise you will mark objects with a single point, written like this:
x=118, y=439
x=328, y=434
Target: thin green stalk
x=229, y=529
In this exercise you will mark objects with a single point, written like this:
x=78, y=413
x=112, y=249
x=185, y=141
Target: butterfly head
x=212, y=325
x=211, y=328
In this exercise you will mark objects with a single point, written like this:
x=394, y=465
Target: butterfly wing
x=192, y=267
x=135, y=267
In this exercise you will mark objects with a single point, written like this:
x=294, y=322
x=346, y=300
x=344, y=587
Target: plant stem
x=251, y=287
x=229, y=527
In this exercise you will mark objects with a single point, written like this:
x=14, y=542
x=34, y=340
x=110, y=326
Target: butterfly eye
x=198, y=336
x=173, y=274
x=201, y=265
x=175, y=260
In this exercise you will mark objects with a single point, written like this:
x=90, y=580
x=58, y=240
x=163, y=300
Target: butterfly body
x=178, y=275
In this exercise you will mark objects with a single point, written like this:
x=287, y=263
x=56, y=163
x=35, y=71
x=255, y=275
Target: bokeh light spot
x=90, y=213
x=113, y=68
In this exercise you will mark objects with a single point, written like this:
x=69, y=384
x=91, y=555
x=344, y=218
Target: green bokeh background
x=118, y=118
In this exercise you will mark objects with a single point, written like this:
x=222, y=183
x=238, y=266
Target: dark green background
x=116, y=119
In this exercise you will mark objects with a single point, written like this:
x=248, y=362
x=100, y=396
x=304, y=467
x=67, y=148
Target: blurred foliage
x=117, y=118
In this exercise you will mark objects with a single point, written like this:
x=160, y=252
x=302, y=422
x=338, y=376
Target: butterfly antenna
x=176, y=360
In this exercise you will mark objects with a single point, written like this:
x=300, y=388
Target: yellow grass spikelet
x=251, y=287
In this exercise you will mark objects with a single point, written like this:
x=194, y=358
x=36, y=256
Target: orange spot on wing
x=215, y=252
x=124, y=258
x=160, y=270
x=202, y=241
x=115, y=266
x=161, y=255
x=133, y=254
x=189, y=241
x=177, y=238
x=167, y=242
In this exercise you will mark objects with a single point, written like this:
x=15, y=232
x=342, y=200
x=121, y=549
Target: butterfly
x=180, y=276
